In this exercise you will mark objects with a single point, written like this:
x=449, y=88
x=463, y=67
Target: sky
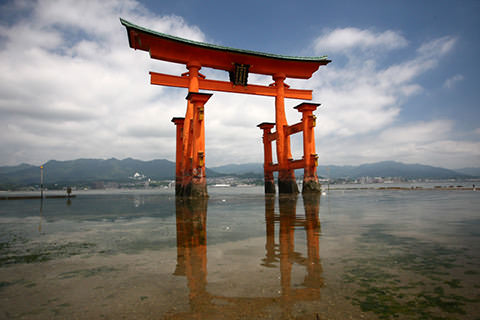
x=403, y=85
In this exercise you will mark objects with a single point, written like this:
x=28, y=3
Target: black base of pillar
x=178, y=189
x=311, y=187
x=193, y=190
x=287, y=186
x=269, y=187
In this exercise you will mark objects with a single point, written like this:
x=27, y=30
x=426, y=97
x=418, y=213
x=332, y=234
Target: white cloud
x=348, y=39
x=71, y=86
x=363, y=100
x=437, y=47
x=417, y=132
x=451, y=82
x=423, y=142
x=361, y=97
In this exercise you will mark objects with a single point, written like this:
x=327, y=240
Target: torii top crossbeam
x=174, y=49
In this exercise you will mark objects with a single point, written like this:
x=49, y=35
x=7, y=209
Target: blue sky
x=403, y=84
x=290, y=27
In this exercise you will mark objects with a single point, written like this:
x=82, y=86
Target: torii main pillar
x=286, y=175
x=194, y=182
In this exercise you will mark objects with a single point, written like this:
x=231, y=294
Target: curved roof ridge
x=128, y=24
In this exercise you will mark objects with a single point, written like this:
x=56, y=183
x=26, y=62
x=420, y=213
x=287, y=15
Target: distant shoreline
x=4, y=195
x=17, y=197
x=460, y=188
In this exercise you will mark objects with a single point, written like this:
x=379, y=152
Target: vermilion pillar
x=197, y=184
x=186, y=166
x=286, y=176
x=268, y=157
x=310, y=178
x=179, y=122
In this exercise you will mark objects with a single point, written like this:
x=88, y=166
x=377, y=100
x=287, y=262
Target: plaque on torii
x=190, y=150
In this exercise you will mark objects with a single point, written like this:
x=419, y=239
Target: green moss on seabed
x=41, y=253
x=383, y=264
x=472, y=272
x=454, y=283
x=4, y=284
x=86, y=273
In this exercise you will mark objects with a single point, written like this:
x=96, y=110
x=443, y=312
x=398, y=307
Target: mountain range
x=114, y=170
x=86, y=170
x=378, y=169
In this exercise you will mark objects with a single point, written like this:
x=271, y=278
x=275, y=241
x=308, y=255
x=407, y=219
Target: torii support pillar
x=310, y=177
x=195, y=181
x=309, y=162
x=268, y=159
x=179, y=122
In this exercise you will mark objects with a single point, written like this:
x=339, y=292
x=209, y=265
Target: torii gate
x=190, y=150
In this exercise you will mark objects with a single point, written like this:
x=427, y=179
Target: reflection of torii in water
x=192, y=259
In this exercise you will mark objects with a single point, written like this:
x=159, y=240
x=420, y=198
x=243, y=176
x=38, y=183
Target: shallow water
x=349, y=254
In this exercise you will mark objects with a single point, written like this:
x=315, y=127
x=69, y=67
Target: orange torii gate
x=190, y=150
